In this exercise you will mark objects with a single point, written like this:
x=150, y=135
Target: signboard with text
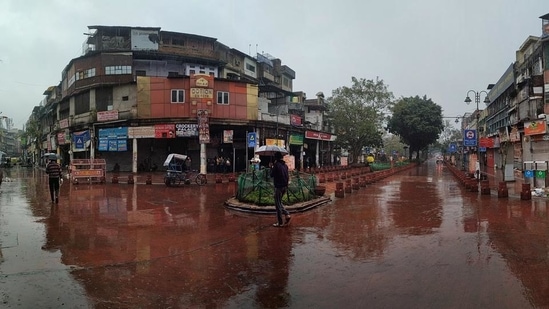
x=469, y=138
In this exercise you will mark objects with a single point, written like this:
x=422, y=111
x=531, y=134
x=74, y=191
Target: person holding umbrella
x=53, y=169
x=279, y=173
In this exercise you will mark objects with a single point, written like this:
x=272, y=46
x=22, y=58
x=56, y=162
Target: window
x=250, y=67
x=85, y=74
x=285, y=82
x=118, y=70
x=222, y=97
x=178, y=96
x=71, y=81
x=103, y=98
x=82, y=103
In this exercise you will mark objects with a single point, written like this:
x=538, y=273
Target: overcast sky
x=437, y=48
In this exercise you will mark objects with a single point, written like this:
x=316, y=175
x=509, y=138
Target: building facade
x=139, y=93
x=512, y=129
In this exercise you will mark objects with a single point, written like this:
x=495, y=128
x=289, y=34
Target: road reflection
x=415, y=238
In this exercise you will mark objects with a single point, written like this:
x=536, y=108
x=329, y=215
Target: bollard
x=320, y=190
x=348, y=188
x=473, y=185
x=356, y=184
x=485, y=187
x=321, y=178
x=525, y=194
x=149, y=180
x=339, y=190
x=369, y=178
x=502, y=189
x=218, y=178
x=330, y=177
x=363, y=181
x=232, y=177
x=114, y=178
x=130, y=180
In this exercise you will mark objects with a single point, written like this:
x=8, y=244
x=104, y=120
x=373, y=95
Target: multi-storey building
x=139, y=93
x=516, y=117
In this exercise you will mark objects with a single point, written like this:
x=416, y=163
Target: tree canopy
x=357, y=114
x=449, y=134
x=418, y=122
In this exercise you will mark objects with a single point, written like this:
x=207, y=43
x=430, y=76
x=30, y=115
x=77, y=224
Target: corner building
x=139, y=93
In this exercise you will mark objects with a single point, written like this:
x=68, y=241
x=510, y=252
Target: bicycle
x=199, y=179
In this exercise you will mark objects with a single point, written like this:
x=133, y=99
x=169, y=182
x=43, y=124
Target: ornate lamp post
x=477, y=101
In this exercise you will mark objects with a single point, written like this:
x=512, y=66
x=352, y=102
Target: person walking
x=279, y=173
x=53, y=169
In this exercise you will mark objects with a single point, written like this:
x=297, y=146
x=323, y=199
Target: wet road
x=413, y=240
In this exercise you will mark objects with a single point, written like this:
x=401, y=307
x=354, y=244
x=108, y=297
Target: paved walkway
x=494, y=177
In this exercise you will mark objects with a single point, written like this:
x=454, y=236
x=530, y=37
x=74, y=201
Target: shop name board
x=320, y=136
x=201, y=93
x=107, y=115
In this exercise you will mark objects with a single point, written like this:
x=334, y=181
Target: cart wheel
x=201, y=179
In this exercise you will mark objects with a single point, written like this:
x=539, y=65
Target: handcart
x=177, y=173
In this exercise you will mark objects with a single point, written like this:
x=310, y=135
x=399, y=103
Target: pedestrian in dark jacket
x=53, y=169
x=279, y=173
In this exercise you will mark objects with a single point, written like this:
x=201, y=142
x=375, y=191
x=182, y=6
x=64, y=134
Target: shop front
x=318, y=148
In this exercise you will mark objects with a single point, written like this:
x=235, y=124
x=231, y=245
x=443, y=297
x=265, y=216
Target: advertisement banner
x=186, y=129
x=116, y=133
x=61, y=138
x=164, y=130
x=296, y=139
x=535, y=127
x=486, y=142
x=111, y=139
x=295, y=120
x=203, y=126
x=320, y=136
x=277, y=142
x=107, y=115
x=141, y=132
x=252, y=140
x=228, y=136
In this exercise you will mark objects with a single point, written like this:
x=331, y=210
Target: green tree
x=32, y=134
x=357, y=114
x=418, y=122
x=392, y=143
x=449, y=134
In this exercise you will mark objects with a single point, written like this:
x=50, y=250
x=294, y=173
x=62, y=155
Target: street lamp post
x=477, y=101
